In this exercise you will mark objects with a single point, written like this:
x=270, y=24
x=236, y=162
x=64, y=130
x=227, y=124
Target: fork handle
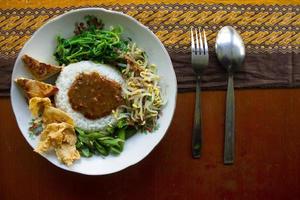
x=197, y=129
x=229, y=123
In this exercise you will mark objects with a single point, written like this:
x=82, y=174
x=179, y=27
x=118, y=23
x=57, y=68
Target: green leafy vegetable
x=91, y=43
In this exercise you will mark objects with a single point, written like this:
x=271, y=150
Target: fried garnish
x=67, y=154
x=53, y=115
x=58, y=134
x=39, y=70
x=62, y=138
x=43, y=107
x=70, y=137
x=37, y=105
x=52, y=136
x=33, y=88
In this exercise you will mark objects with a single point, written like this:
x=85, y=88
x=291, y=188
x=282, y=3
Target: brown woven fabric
x=6, y=66
x=258, y=71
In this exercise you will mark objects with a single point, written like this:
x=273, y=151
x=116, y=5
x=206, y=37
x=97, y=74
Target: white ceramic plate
x=41, y=46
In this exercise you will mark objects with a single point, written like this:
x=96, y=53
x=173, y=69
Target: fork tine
x=201, y=43
x=197, y=42
x=205, y=42
x=192, y=41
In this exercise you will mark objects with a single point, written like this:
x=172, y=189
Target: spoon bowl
x=230, y=48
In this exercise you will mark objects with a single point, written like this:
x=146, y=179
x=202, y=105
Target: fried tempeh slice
x=33, y=88
x=39, y=70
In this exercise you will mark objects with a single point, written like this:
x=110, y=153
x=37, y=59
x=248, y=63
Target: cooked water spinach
x=91, y=42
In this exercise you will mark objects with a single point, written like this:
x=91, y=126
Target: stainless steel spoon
x=230, y=51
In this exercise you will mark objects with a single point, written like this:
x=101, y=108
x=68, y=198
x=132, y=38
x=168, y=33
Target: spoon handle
x=197, y=129
x=229, y=123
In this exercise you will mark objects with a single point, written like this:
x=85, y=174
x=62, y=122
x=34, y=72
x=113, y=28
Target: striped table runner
x=270, y=32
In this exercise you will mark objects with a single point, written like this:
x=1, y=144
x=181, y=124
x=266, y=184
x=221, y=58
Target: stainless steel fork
x=199, y=51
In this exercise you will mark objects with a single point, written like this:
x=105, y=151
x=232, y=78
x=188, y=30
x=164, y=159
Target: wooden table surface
x=266, y=167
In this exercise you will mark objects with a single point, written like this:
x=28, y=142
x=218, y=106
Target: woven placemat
x=271, y=35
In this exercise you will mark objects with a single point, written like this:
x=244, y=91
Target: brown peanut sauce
x=94, y=95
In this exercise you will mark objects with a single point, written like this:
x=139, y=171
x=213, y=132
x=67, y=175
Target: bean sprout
x=141, y=91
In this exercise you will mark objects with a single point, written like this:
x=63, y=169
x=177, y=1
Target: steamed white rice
x=64, y=82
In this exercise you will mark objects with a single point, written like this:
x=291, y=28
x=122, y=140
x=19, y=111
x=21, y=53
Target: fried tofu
x=43, y=107
x=62, y=138
x=51, y=137
x=33, y=88
x=67, y=154
x=39, y=70
x=37, y=105
x=58, y=134
x=52, y=115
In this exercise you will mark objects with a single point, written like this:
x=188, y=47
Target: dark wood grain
x=266, y=165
